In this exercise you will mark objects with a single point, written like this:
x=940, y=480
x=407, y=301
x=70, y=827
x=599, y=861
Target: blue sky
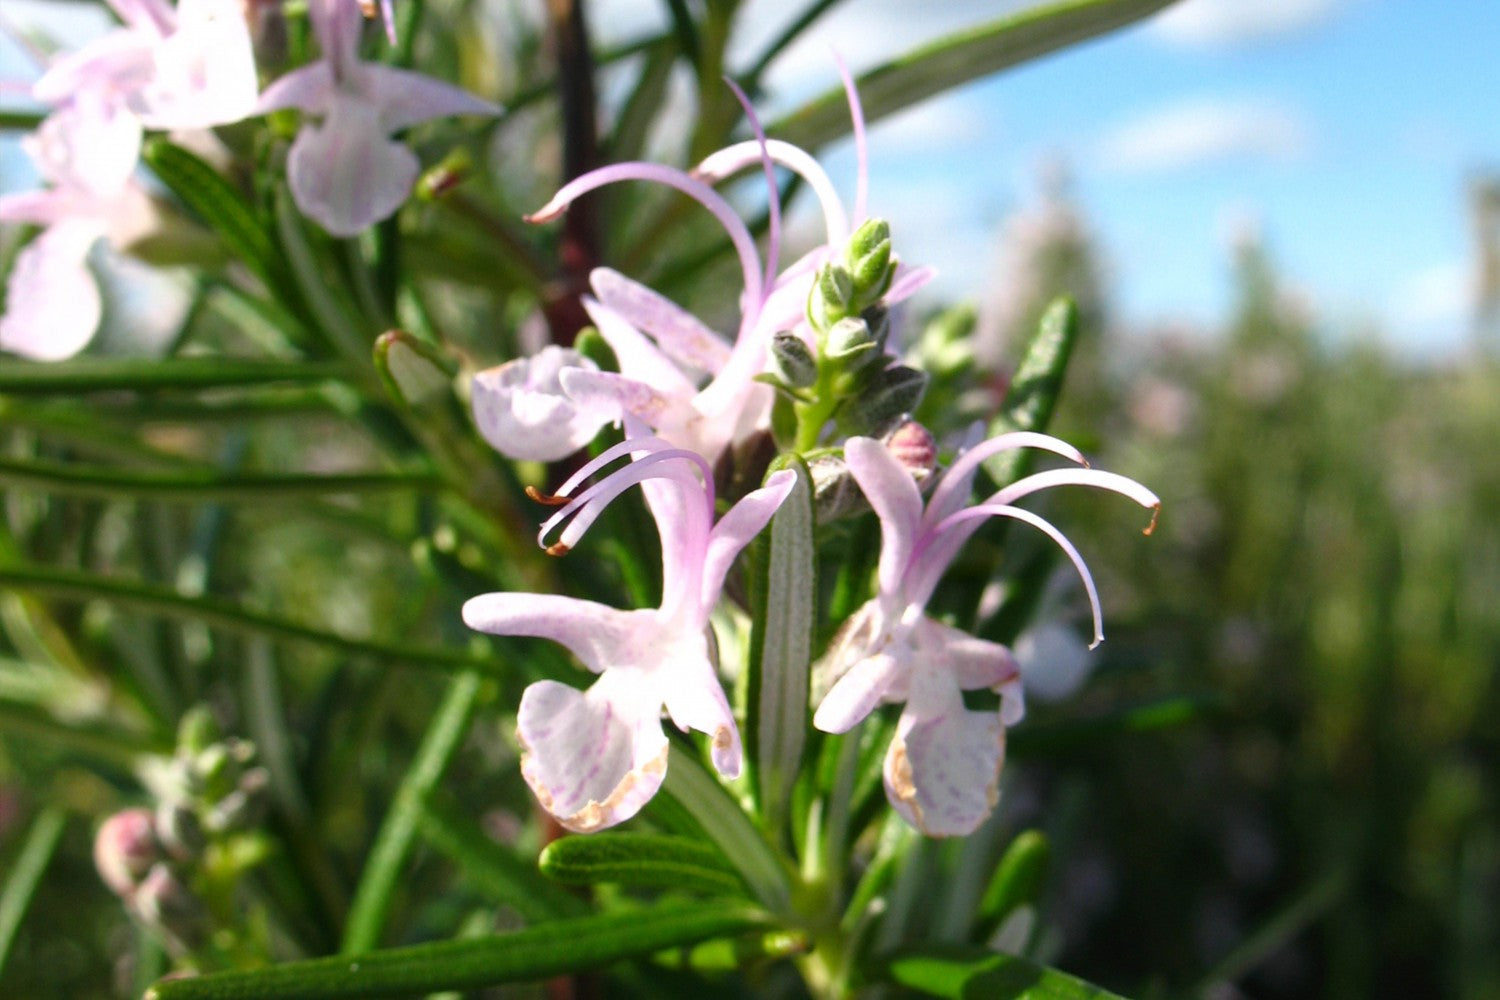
x=1343, y=130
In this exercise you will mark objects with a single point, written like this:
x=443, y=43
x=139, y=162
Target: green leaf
x=78, y=375
x=1034, y=389
x=392, y=847
x=1017, y=880
x=412, y=371
x=201, y=485
x=218, y=204
x=972, y=974
x=644, y=103
x=641, y=859
x=535, y=953
x=726, y=824
x=26, y=872
x=157, y=600
x=781, y=649
x=958, y=58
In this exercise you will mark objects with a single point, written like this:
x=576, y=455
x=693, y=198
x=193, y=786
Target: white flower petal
x=406, y=98
x=592, y=758
x=52, y=300
x=942, y=770
x=695, y=700
x=523, y=412
x=854, y=696
x=892, y=492
x=972, y=663
x=345, y=174
x=680, y=334
x=600, y=636
x=640, y=360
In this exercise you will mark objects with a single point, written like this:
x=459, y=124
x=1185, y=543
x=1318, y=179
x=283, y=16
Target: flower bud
x=914, y=447
x=869, y=254
x=848, y=338
x=792, y=360
x=831, y=296
x=125, y=848
x=197, y=729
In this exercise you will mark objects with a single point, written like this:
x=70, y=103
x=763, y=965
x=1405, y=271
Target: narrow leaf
x=726, y=824
x=26, y=872
x=392, y=847
x=110, y=374
x=1034, y=389
x=781, y=650
x=200, y=485
x=157, y=600
x=963, y=973
x=643, y=860
x=958, y=58
x=1017, y=880
x=218, y=204
x=564, y=946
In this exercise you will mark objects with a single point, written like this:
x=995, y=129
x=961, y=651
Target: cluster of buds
x=846, y=373
x=158, y=860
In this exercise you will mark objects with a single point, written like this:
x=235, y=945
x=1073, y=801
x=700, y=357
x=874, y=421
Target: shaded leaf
x=641, y=859
x=976, y=974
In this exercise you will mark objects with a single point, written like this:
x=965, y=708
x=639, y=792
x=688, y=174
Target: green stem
x=201, y=485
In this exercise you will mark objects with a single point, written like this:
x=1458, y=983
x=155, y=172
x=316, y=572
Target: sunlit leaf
x=972, y=974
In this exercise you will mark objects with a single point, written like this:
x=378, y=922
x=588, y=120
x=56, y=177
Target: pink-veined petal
x=695, y=700
x=338, y=24
x=522, y=410
x=592, y=758
x=736, y=528
x=406, y=98
x=972, y=663
x=89, y=146
x=893, y=494
x=40, y=207
x=639, y=359
x=865, y=685
x=600, y=636
x=112, y=65
x=345, y=174
x=942, y=770
x=310, y=88
x=680, y=334
x=52, y=303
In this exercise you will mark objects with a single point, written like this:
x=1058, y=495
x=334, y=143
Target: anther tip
x=558, y=549
x=1155, y=514
x=550, y=499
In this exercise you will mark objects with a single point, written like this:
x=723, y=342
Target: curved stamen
x=646, y=442
x=706, y=196
x=585, y=508
x=924, y=586
x=960, y=474
x=773, y=196
x=732, y=159
x=1097, y=478
x=861, y=154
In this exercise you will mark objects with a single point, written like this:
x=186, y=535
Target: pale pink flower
x=345, y=170
x=191, y=66
x=86, y=151
x=942, y=769
x=595, y=757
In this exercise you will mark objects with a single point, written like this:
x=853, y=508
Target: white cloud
x=1200, y=131
x=1212, y=23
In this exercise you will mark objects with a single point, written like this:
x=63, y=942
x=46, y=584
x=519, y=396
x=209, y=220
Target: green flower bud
x=847, y=339
x=179, y=830
x=831, y=295
x=870, y=263
x=792, y=360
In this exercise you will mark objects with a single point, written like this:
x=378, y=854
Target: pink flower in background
x=595, y=757
x=186, y=67
x=86, y=151
x=942, y=769
x=345, y=170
